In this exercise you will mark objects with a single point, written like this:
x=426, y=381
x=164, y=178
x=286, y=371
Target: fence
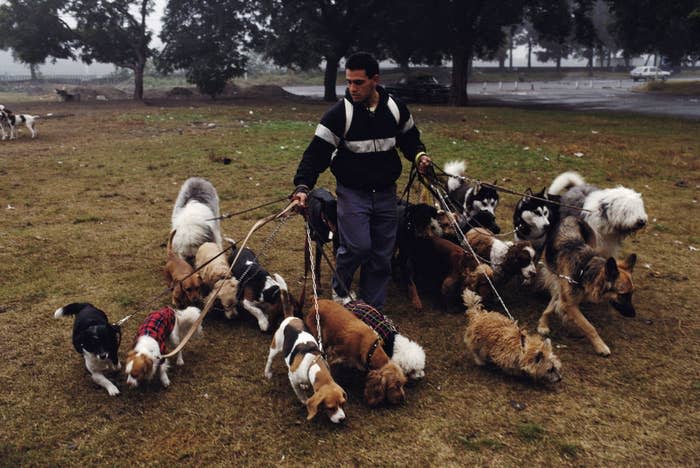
x=61, y=79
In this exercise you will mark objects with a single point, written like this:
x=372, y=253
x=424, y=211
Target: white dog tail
x=454, y=169
x=564, y=182
x=471, y=300
x=187, y=317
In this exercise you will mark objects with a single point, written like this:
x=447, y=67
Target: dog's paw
x=264, y=324
x=112, y=390
x=165, y=380
x=602, y=350
x=268, y=374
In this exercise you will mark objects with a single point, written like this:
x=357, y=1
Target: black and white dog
x=195, y=218
x=322, y=214
x=476, y=203
x=96, y=339
x=9, y=122
x=534, y=216
x=264, y=296
x=613, y=213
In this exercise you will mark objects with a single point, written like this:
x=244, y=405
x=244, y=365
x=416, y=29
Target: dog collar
x=371, y=351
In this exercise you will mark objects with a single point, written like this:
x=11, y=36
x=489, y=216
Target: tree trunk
x=529, y=52
x=330, y=77
x=510, y=49
x=138, y=81
x=32, y=71
x=460, y=69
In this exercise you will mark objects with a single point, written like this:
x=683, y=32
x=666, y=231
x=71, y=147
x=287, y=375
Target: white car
x=649, y=73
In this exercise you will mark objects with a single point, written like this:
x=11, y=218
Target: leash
x=230, y=215
x=212, y=297
x=313, y=284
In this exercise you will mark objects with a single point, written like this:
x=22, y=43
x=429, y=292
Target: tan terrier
x=493, y=338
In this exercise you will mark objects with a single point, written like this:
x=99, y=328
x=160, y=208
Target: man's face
x=360, y=85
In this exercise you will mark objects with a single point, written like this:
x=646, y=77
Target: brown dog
x=348, y=340
x=574, y=273
x=216, y=276
x=448, y=267
x=185, y=284
x=493, y=338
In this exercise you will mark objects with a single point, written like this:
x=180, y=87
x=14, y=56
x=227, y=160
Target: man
x=357, y=138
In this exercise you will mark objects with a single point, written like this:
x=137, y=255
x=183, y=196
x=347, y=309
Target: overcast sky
x=68, y=67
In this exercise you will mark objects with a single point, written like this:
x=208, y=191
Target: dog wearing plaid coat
x=408, y=354
x=161, y=326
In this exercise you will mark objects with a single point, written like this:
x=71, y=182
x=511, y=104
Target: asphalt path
x=583, y=95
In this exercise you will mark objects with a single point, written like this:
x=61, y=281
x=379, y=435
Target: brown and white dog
x=493, y=338
x=348, y=340
x=507, y=259
x=10, y=120
x=216, y=275
x=161, y=326
x=186, y=284
x=307, y=369
x=575, y=273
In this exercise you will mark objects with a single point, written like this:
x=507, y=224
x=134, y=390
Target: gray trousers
x=367, y=225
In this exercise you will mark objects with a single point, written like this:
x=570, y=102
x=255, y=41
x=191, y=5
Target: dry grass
x=680, y=88
x=85, y=214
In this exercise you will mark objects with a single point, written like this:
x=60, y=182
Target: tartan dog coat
x=379, y=322
x=158, y=325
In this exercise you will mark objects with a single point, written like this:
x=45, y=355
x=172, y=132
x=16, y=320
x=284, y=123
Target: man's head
x=362, y=76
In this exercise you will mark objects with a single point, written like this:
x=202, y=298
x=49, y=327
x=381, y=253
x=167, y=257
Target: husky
x=613, y=213
x=534, y=216
x=575, y=273
x=476, y=204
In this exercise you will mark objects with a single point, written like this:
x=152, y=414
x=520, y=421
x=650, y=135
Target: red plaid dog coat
x=158, y=325
x=379, y=322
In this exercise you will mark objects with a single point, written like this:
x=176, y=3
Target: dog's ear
x=528, y=194
x=375, y=388
x=629, y=262
x=611, y=271
x=312, y=406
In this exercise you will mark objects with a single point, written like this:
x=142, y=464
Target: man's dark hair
x=363, y=61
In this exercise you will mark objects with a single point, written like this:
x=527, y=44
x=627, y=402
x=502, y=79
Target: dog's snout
x=641, y=223
x=103, y=356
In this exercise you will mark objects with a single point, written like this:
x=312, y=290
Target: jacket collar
x=383, y=97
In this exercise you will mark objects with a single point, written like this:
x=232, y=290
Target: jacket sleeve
x=317, y=157
x=408, y=137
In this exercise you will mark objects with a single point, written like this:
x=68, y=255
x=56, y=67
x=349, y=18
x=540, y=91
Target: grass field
x=85, y=213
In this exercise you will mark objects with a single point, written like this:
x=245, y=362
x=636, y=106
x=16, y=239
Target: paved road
x=598, y=95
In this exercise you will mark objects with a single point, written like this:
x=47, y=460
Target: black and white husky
x=9, y=122
x=195, y=218
x=534, y=216
x=477, y=204
x=613, y=213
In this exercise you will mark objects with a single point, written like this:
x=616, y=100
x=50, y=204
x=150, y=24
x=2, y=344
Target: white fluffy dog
x=193, y=218
x=613, y=213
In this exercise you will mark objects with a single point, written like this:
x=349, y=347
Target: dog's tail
x=454, y=169
x=170, y=242
x=471, y=300
x=187, y=317
x=564, y=182
x=70, y=309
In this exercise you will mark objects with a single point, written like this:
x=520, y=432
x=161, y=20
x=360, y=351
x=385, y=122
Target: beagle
x=307, y=369
x=350, y=341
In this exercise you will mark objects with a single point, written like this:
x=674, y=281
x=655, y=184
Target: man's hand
x=300, y=194
x=424, y=162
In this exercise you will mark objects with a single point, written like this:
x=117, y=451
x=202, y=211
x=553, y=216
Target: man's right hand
x=301, y=197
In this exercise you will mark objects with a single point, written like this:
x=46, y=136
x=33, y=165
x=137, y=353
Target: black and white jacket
x=360, y=145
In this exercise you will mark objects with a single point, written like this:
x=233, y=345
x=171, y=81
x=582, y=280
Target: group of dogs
x=566, y=238
x=9, y=121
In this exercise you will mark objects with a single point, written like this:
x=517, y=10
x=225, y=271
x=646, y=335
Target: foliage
x=206, y=39
x=34, y=30
x=115, y=32
x=553, y=23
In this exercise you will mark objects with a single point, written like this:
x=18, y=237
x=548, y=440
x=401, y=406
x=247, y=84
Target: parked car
x=420, y=88
x=649, y=73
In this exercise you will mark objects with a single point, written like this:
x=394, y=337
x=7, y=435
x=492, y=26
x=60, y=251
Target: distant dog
x=477, y=203
x=9, y=121
x=96, y=339
x=307, y=369
x=162, y=326
x=507, y=259
x=534, y=216
x=265, y=297
x=217, y=277
x=613, y=213
x=186, y=284
x=408, y=354
x=322, y=214
x=348, y=340
x=575, y=273
x=493, y=338
x=194, y=218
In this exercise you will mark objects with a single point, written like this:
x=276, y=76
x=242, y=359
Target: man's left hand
x=424, y=162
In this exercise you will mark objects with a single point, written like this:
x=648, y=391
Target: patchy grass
x=116, y=167
x=681, y=88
